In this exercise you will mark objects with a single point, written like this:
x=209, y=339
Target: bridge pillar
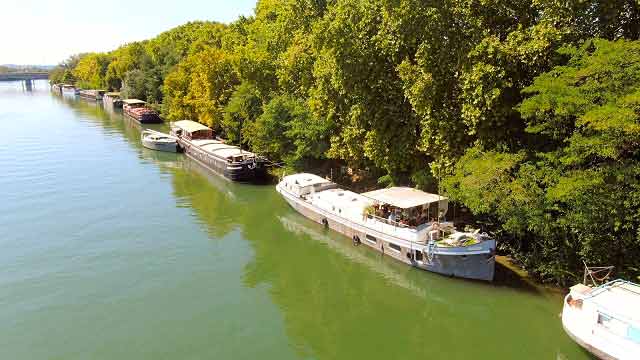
x=27, y=84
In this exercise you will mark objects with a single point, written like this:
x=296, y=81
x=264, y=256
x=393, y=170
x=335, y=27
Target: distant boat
x=605, y=320
x=92, y=94
x=112, y=99
x=138, y=110
x=155, y=140
x=404, y=223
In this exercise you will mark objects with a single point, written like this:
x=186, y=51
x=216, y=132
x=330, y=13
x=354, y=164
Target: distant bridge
x=24, y=76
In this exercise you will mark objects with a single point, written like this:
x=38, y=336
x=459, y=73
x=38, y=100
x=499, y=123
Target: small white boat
x=155, y=140
x=605, y=320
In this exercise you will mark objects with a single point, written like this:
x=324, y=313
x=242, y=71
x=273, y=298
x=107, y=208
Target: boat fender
x=325, y=222
x=356, y=240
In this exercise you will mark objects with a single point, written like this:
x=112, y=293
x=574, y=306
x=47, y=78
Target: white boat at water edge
x=605, y=320
x=156, y=140
x=404, y=223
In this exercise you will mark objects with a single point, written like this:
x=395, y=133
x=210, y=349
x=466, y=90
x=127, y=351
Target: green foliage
x=134, y=85
x=90, y=71
x=576, y=200
x=287, y=131
x=200, y=86
x=241, y=112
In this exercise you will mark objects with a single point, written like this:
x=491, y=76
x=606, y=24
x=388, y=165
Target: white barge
x=605, y=320
x=400, y=222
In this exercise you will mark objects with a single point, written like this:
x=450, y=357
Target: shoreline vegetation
x=526, y=114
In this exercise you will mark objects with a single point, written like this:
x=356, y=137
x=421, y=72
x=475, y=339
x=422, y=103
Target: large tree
x=576, y=196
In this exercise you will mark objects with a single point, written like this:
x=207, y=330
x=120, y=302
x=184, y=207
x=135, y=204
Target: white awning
x=133, y=102
x=189, y=126
x=404, y=197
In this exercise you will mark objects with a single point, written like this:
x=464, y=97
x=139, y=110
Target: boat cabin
x=407, y=206
x=133, y=103
x=112, y=95
x=306, y=184
x=113, y=98
x=191, y=130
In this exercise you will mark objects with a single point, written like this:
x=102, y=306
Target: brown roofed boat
x=138, y=110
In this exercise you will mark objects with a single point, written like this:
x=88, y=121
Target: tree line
x=525, y=112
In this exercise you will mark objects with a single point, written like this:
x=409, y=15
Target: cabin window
x=603, y=319
x=395, y=247
x=612, y=324
x=633, y=333
x=418, y=255
x=371, y=239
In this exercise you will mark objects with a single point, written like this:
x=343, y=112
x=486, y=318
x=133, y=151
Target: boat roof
x=619, y=296
x=403, y=197
x=220, y=149
x=133, y=101
x=190, y=126
x=305, y=179
x=345, y=199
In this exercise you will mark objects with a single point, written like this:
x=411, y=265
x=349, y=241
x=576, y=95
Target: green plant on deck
x=369, y=210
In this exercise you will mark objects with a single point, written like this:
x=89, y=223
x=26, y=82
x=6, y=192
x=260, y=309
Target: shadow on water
x=339, y=301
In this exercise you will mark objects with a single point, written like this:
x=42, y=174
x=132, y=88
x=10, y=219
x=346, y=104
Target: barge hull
x=591, y=349
x=147, y=120
x=474, y=266
x=239, y=173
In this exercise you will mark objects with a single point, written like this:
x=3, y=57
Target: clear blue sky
x=48, y=31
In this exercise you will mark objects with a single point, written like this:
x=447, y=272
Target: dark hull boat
x=197, y=142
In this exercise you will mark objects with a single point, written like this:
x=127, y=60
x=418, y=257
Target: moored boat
x=605, y=320
x=404, y=223
x=92, y=94
x=232, y=162
x=69, y=88
x=112, y=99
x=156, y=140
x=138, y=110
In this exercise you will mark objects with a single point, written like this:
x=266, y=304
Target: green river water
x=112, y=251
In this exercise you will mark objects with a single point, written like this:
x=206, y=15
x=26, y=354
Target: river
x=112, y=251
